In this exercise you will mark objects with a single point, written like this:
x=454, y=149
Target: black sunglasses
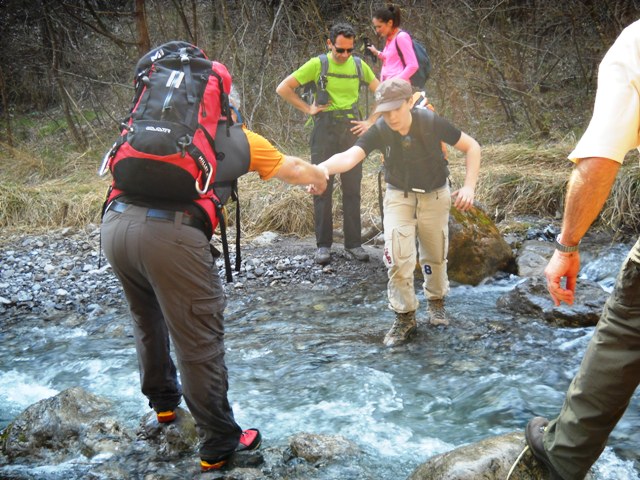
x=342, y=50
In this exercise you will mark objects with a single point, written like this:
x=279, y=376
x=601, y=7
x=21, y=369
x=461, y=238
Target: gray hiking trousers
x=608, y=376
x=174, y=292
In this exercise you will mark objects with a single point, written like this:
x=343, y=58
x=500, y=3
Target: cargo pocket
x=627, y=289
x=402, y=247
x=204, y=335
x=445, y=245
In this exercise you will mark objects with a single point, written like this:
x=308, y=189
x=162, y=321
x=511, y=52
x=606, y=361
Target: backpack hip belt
x=169, y=215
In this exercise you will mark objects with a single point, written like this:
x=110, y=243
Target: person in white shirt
x=610, y=371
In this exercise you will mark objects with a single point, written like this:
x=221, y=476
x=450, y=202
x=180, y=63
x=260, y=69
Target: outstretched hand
x=561, y=265
x=463, y=198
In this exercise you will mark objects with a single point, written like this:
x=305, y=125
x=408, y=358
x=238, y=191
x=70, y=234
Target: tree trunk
x=5, y=108
x=56, y=52
x=144, y=43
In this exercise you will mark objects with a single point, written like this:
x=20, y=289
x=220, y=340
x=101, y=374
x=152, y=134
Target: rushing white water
x=302, y=360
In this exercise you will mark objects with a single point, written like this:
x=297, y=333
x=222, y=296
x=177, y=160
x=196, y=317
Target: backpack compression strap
x=324, y=69
x=186, y=68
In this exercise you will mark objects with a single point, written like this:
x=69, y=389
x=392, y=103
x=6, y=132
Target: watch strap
x=565, y=248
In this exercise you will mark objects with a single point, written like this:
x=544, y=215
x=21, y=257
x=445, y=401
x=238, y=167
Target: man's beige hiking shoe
x=323, y=256
x=437, y=313
x=404, y=327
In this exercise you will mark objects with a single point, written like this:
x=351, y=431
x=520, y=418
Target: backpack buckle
x=184, y=142
x=184, y=58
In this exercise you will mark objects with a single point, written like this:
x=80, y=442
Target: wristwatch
x=564, y=248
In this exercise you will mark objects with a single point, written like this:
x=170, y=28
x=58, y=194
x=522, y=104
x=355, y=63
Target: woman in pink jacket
x=387, y=24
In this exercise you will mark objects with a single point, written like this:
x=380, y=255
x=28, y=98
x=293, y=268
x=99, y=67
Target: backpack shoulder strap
x=425, y=120
x=324, y=64
x=359, y=71
x=425, y=117
x=395, y=42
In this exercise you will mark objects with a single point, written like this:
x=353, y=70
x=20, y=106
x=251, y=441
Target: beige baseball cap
x=391, y=93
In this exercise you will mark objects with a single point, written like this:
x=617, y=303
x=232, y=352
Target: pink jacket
x=391, y=64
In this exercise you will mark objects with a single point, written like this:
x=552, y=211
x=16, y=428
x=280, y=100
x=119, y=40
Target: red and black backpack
x=166, y=146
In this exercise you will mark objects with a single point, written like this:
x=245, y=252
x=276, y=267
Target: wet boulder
x=74, y=422
x=490, y=459
x=316, y=448
x=531, y=298
x=169, y=440
x=477, y=250
x=532, y=257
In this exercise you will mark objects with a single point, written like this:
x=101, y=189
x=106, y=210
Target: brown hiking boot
x=533, y=434
x=404, y=327
x=437, y=313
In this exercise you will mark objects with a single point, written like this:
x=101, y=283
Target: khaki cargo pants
x=421, y=216
x=608, y=376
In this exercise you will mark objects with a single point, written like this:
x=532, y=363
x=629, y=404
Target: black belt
x=169, y=215
x=338, y=114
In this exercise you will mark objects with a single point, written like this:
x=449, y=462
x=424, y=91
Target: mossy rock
x=476, y=247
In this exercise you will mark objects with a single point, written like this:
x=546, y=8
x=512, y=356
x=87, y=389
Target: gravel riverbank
x=62, y=271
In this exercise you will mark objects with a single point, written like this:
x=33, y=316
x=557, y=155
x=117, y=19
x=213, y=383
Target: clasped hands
x=313, y=189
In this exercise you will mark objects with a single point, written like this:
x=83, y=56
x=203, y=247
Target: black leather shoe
x=534, y=433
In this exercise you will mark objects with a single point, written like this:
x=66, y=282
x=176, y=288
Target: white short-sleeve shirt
x=614, y=128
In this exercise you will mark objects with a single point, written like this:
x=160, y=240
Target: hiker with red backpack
x=337, y=121
x=417, y=199
x=161, y=211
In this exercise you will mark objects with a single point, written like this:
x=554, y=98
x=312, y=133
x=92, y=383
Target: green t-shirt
x=343, y=92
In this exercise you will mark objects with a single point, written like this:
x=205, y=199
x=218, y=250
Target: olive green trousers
x=608, y=376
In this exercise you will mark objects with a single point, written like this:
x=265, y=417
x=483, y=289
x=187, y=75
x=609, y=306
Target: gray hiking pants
x=174, y=292
x=608, y=376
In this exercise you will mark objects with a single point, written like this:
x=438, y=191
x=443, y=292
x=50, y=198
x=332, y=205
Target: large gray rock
x=532, y=257
x=489, y=459
x=74, y=421
x=172, y=439
x=315, y=448
x=531, y=298
x=477, y=250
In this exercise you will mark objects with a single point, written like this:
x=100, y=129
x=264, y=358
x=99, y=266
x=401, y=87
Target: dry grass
x=520, y=179
x=515, y=180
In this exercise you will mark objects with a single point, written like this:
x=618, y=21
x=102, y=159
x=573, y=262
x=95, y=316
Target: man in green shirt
x=337, y=123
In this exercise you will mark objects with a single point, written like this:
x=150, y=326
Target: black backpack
x=426, y=125
x=420, y=77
